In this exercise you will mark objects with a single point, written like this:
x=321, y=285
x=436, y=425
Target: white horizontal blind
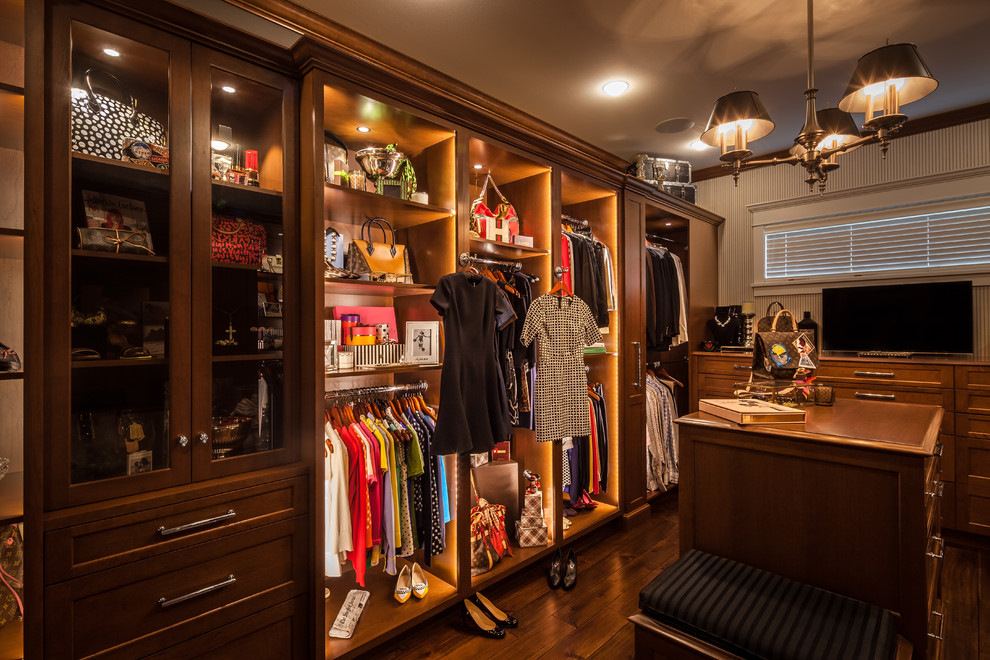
x=932, y=240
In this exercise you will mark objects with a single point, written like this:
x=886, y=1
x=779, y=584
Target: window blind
x=931, y=240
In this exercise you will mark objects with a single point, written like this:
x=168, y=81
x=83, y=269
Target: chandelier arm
x=842, y=148
x=750, y=164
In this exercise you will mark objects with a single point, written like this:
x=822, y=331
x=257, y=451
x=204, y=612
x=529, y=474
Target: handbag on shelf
x=379, y=262
x=489, y=542
x=11, y=574
x=127, y=241
x=783, y=354
x=108, y=128
x=238, y=241
x=500, y=225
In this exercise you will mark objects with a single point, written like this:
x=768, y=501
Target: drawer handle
x=169, y=531
x=938, y=449
x=165, y=602
x=742, y=367
x=874, y=374
x=939, y=489
x=639, y=365
x=941, y=548
x=941, y=624
x=871, y=395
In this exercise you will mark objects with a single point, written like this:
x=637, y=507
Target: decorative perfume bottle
x=251, y=173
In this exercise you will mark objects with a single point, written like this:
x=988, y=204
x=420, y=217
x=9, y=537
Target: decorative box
x=523, y=241
x=533, y=505
x=531, y=521
x=501, y=451
x=478, y=460
x=531, y=537
x=378, y=355
x=501, y=230
x=684, y=191
x=115, y=240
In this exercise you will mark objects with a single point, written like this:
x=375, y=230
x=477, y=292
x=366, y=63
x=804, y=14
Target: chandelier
x=884, y=80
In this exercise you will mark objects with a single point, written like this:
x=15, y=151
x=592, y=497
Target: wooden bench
x=706, y=606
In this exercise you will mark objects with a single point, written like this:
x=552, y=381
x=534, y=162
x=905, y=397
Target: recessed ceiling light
x=698, y=145
x=615, y=87
x=669, y=224
x=228, y=89
x=363, y=129
x=219, y=145
x=111, y=52
x=478, y=167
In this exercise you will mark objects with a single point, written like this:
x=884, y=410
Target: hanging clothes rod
x=571, y=220
x=363, y=392
x=467, y=259
x=652, y=238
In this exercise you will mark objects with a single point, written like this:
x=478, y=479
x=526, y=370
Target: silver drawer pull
x=871, y=395
x=941, y=624
x=168, y=531
x=940, y=542
x=165, y=602
x=874, y=374
x=938, y=490
x=742, y=367
x=938, y=449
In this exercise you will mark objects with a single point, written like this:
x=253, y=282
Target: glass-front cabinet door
x=243, y=265
x=117, y=253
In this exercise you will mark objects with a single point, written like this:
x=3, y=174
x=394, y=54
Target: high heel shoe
x=494, y=613
x=403, y=586
x=420, y=587
x=570, y=571
x=481, y=623
x=555, y=575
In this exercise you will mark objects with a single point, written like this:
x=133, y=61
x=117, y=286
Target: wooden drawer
x=83, y=549
x=868, y=392
x=717, y=383
x=905, y=374
x=934, y=553
x=737, y=365
x=273, y=634
x=972, y=510
x=973, y=451
x=973, y=377
x=147, y=606
x=973, y=401
x=948, y=506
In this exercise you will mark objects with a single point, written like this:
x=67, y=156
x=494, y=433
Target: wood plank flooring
x=587, y=622
x=614, y=564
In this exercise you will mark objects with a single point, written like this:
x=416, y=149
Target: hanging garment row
x=488, y=374
x=661, y=432
x=386, y=489
x=589, y=270
x=666, y=299
x=585, y=458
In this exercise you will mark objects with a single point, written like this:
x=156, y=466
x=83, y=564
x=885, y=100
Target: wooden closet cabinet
x=166, y=497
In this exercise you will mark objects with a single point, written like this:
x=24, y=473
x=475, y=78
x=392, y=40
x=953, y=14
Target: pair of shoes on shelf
x=8, y=359
x=411, y=583
x=584, y=502
x=332, y=271
x=563, y=573
x=486, y=619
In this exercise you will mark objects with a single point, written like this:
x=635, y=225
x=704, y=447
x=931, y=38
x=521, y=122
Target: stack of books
x=751, y=411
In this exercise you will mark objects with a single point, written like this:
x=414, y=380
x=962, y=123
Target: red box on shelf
x=500, y=452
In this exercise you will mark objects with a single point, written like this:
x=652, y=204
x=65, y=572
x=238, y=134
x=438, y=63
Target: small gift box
x=115, y=240
x=531, y=521
x=530, y=537
x=533, y=504
x=500, y=452
x=478, y=459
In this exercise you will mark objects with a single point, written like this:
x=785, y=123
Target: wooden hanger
x=561, y=288
x=662, y=373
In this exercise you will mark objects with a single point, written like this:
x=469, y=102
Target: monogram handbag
x=379, y=262
x=11, y=574
x=501, y=225
x=783, y=354
x=489, y=542
x=105, y=127
x=238, y=241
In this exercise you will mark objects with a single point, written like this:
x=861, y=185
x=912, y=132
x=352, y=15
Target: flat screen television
x=935, y=317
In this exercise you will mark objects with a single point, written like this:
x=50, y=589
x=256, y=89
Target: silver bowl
x=378, y=163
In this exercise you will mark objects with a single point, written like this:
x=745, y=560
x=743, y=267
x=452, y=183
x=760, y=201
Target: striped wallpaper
x=910, y=159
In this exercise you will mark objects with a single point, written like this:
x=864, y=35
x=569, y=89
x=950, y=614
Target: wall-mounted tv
x=934, y=317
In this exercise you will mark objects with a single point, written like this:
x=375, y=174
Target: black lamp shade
x=834, y=121
x=888, y=63
x=737, y=106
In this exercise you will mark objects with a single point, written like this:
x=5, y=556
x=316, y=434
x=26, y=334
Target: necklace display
x=724, y=323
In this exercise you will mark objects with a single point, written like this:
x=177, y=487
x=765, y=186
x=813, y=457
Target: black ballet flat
x=480, y=623
x=570, y=571
x=495, y=614
x=555, y=574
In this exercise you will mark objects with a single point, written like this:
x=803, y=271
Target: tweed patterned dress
x=564, y=326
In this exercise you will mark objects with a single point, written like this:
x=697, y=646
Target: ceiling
x=550, y=57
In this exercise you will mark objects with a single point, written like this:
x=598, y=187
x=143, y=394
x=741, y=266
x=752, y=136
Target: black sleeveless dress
x=474, y=412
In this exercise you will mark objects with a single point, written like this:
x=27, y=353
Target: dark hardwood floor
x=586, y=622
x=614, y=564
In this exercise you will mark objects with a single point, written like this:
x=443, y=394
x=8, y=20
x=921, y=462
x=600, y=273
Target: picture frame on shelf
x=423, y=342
x=104, y=211
x=273, y=310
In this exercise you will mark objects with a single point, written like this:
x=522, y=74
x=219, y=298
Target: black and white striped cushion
x=757, y=614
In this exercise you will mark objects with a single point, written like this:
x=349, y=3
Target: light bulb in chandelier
x=737, y=119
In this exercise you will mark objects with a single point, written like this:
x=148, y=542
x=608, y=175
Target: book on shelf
x=594, y=349
x=751, y=411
